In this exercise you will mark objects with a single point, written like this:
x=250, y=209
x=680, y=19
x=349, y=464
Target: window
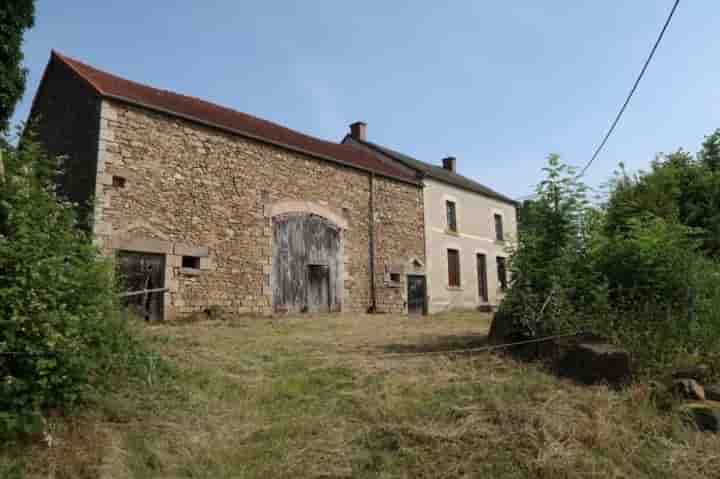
x=502, y=273
x=118, y=181
x=499, y=235
x=453, y=256
x=394, y=277
x=482, y=277
x=191, y=262
x=451, y=216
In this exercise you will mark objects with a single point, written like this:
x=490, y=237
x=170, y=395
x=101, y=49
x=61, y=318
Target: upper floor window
x=499, y=234
x=451, y=216
x=453, y=257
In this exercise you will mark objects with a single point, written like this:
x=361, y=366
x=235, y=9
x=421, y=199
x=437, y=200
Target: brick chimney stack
x=358, y=131
x=449, y=163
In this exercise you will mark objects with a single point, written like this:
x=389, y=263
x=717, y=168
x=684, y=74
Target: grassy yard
x=331, y=397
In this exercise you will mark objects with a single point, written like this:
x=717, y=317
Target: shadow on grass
x=440, y=344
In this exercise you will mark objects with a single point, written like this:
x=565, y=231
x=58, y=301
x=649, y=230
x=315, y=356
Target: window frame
x=499, y=227
x=454, y=277
x=483, y=292
x=502, y=272
x=190, y=262
x=451, y=226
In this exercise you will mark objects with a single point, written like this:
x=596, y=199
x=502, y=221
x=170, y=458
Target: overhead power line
x=632, y=91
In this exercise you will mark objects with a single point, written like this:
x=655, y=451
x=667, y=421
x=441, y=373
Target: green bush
x=60, y=334
x=552, y=270
x=631, y=271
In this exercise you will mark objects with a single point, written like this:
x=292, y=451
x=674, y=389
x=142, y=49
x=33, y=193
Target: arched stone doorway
x=307, y=261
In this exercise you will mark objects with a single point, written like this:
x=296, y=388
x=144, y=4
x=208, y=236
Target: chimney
x=449, y=163
x=358, y=131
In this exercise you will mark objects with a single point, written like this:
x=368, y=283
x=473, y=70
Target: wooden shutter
x=453, y=267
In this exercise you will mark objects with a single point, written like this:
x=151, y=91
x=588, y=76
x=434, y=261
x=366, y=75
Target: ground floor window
x=482, y=276
x=502, y=273
x=453, y=257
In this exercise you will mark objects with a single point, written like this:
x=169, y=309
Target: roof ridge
x=403, y=158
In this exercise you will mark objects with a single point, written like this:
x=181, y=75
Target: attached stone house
x=227, y=210
x=469, y=229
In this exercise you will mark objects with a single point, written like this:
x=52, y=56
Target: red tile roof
x=194, y=109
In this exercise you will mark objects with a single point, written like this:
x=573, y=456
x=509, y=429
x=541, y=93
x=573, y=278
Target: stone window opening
x=451, y=216
x=395, y=277
x=499, y=234
x=118, y=181
x=191, y=262
x=453, y=257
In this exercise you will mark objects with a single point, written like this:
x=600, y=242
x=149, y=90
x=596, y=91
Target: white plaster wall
x=475, y=234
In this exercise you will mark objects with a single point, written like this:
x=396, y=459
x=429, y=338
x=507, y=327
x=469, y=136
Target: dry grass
x=320, y=397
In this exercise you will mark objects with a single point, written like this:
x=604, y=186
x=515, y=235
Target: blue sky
x=499, y=85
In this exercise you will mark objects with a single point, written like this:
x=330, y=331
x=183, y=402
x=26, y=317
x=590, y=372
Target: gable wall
x=192, y=188
x=66, y=118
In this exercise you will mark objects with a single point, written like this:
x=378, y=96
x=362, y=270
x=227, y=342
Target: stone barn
x=224, y=209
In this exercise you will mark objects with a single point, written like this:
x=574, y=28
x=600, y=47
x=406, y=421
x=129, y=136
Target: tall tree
x=679, y=188
x=16, y=16
x=710, y=153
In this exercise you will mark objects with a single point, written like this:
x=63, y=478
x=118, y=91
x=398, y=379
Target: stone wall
x=172, y=186
x=399, y=238
x=65, y=118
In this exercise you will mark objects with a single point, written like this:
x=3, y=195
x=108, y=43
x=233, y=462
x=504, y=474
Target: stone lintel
x=187, y=250
x=142, y=245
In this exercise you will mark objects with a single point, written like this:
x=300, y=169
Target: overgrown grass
x=321, y=397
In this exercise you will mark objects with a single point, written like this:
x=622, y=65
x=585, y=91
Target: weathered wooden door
x=318, y=289
x=141, y=271
x=306, y=260
x=416, y=294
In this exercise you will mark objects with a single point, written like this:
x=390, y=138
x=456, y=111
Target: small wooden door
x=318, y=289
x=416, y=294
x=141, y=271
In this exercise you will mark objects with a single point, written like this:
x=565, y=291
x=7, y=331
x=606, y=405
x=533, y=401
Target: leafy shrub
x=553, y=274
x=631, y=271
x=60, y=334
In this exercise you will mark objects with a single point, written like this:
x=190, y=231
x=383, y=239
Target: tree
x=16, y=16
x=710, y=153
x=678, y=188
x=552, y=271
x=58, y=304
